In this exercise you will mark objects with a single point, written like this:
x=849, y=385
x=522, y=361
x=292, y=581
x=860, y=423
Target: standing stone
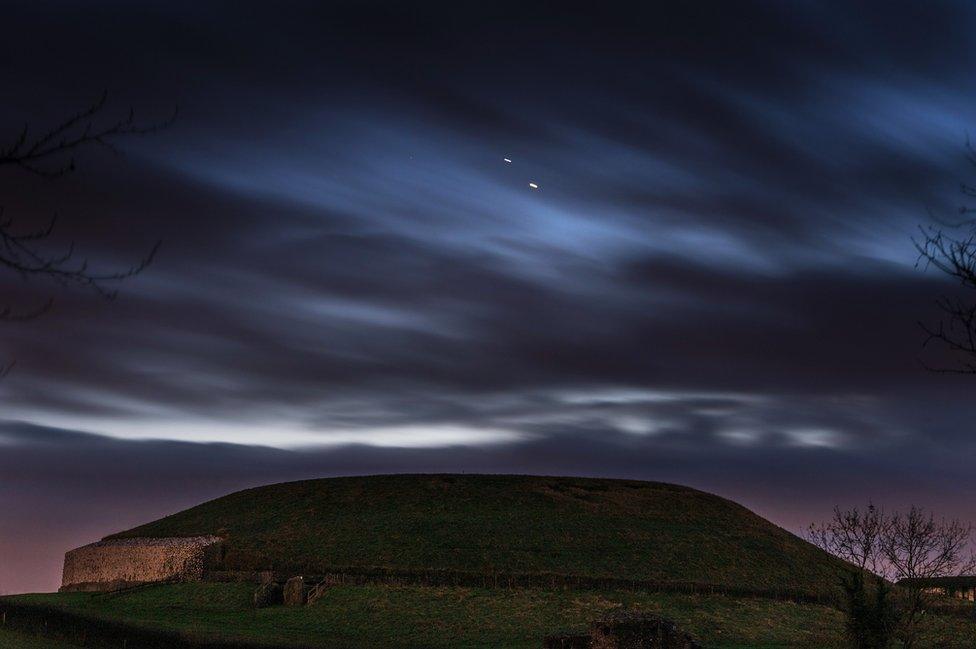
x=295, y=592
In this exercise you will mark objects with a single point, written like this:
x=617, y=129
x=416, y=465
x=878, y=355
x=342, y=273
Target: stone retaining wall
x=120, y=563
x=359, y=575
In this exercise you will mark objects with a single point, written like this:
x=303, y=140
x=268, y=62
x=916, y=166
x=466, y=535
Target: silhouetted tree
x=871, y=615
x=50, y=154
x=906, y=548
x=855, y=536
x=917, y=547
x=950, y=247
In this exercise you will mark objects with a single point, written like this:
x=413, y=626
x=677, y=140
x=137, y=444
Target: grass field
x=412, y=617
x=415, y=617
x=509, y=524
x=14, y=640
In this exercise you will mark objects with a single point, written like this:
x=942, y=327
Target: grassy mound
x=522, y=525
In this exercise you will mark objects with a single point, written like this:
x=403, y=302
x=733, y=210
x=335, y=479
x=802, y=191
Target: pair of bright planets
x=509, y=161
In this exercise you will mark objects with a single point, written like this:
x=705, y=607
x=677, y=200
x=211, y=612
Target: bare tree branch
x=21, y=254
x=950, y=247
x=852, y=535
x=45, y=153
x=50, y=154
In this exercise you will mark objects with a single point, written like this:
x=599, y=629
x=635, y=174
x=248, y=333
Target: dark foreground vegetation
x=414, y=616
x=411, y=617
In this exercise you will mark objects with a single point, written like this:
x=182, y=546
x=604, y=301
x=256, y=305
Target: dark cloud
x=714, y=284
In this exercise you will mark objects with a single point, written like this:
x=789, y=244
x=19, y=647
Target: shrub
x=871, y=614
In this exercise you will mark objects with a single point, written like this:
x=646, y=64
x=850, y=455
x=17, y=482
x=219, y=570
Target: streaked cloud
x=714, y=281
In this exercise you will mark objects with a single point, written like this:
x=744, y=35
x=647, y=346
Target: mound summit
x=505, y=525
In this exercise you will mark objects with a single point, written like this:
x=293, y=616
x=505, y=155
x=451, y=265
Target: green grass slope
x=505, y=524
x=15, y=640
x=415, y=617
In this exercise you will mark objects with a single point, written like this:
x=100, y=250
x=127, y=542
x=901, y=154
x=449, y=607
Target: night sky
x=714, y=283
